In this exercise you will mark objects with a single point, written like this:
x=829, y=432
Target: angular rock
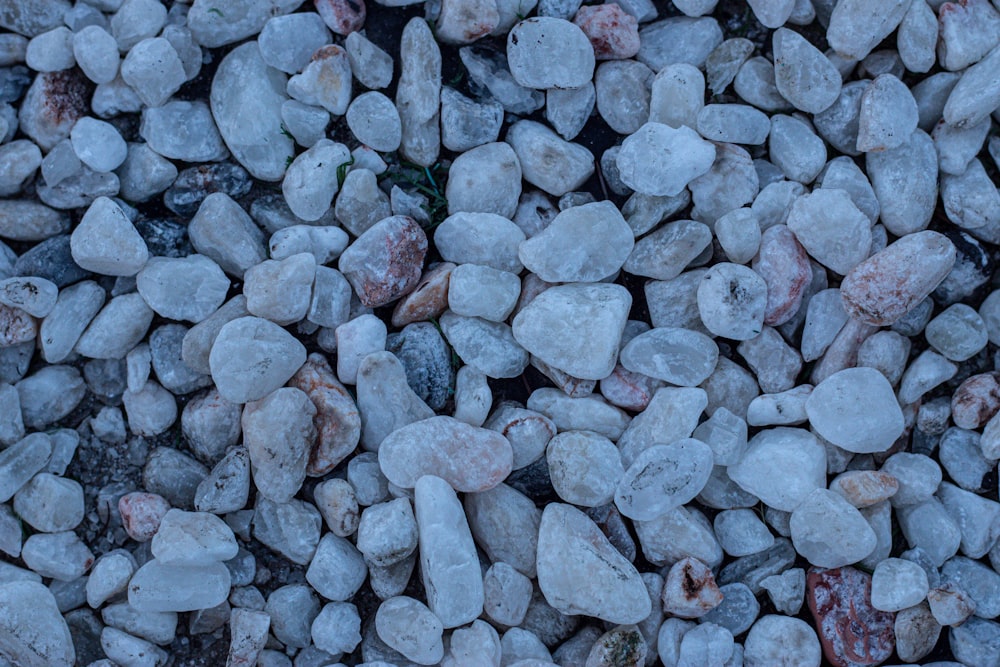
x=660, y=160
x=677, y=356
x=384, y=263
x=548, y=52
x=856, y=27
x=252, y=357
x=802, y=74
x=189, y=288
x=158, y=587
x=575, y=328
x=34, y=633
x=579, y=572
x=773, y=455
x=418, y=94
x=664, y=477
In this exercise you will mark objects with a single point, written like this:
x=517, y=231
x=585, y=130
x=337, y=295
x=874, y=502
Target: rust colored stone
x=784, y=265
x=976, y=400
x=612, y=32
x=385, y=262
x=429, y=299
x=337, y=420
x=342, y=16
x=853, y=633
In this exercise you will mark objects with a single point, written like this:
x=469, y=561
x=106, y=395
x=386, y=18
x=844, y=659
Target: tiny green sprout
x=213, y=10
x=342, y=171
x=284, y=131
x=289, y=160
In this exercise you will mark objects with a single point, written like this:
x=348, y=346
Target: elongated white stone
x=448, y=562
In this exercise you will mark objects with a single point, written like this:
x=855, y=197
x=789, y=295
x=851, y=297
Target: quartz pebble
x=881, y=289
x=441, y=445
x=776, y=638
x=252, y=357
x=34, y=632
x=580, y=572
x=547, y=52
x=836, y=405
x=660, y=160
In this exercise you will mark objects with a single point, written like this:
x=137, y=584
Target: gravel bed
x=499, y=333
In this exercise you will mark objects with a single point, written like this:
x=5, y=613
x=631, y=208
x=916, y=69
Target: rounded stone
x=732, y=300
x=856, y=410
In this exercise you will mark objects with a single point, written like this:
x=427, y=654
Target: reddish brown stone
x=429, y=299
x=142, y=513
x=342, y=16
x=690, y=590
x=976, y=400
x=612, y=32
x=337, y=420
x=852, y=631
x=784, y=265
x=53, y=104
x=385, y=262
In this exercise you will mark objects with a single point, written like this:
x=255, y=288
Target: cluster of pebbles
x=311, y=354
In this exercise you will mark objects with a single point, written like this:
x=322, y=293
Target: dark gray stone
x=426, y=358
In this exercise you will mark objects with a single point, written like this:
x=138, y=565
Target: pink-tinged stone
x=465, y=21
x=429, y=299
x=690, y=590
x=843, y=351
x=890, y=283
x=342, y=16
x=142, y=513
x=853, y=633
x=976, y=400
x=573, y=387
x=864, y=488
x=385, y=262
x=16, y=326
x=613, y=32
x=784, y=265
x=470, y=458
x=337, y=420
x=629, y=390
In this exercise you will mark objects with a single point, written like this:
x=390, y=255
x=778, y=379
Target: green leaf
x=289, y=160
x=284, y=131
x=342, y=172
